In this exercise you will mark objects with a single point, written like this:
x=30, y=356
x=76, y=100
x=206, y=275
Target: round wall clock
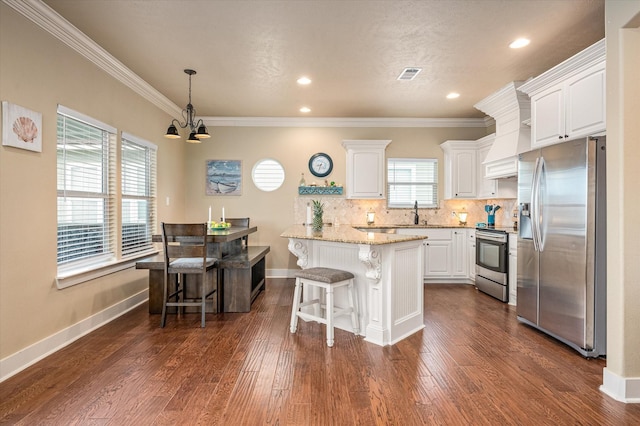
x=320, y=164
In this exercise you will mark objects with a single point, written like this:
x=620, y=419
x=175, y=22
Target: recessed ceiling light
x=453, y=95
x=521, y=42
x=305, y=109
x=304, y=80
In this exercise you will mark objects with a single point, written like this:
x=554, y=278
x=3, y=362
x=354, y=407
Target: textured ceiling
x=248, y=54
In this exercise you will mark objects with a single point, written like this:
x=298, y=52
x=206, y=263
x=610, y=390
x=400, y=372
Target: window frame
x=415, y=187
x=74, y=272
x=145, y=245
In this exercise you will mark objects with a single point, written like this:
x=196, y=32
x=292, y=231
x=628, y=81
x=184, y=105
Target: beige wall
x=623, y=197
x=273, y=211
x=38, y=72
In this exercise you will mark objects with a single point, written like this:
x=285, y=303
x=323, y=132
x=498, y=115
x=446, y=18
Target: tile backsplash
x=341, y=210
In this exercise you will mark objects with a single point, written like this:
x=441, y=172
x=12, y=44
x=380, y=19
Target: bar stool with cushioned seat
x=185, y=252
x=327, y=279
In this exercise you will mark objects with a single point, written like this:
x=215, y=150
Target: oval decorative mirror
x=267, y=174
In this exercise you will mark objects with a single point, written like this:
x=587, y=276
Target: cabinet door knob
x=566, y=136
x=560, y=137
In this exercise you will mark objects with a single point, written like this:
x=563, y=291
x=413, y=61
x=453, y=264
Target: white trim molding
x=344, y=122
x=281, y=273
x=624, y=389
x=51, y=21
x=13, y=364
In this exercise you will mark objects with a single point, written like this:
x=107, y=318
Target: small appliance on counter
x=491, y=210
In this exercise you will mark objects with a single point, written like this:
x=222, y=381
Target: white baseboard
x=281, y=273
x=624, y=389
x=28, y=356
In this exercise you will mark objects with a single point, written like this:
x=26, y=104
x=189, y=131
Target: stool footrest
x=309, y=302
x=310, y=317
x=187, y=303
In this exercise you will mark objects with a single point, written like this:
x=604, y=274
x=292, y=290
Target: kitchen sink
x=378, y=230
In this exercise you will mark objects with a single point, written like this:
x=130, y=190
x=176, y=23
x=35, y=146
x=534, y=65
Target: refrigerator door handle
x=534, y=205
x=540, y=206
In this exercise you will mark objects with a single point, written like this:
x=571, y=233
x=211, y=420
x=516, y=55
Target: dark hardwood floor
x=472, y=364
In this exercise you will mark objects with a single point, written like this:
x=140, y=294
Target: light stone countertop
x=412, y=226
x=357, y=234
x=348, y=234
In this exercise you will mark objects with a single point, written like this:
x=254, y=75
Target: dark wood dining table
x=242, y=269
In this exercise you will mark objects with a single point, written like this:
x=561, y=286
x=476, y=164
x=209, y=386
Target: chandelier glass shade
x=197, y=128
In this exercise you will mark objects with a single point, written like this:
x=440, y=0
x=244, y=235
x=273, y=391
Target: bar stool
x=327, y=279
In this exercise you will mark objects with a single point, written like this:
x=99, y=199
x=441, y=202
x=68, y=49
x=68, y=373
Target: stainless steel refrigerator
x=562, y=243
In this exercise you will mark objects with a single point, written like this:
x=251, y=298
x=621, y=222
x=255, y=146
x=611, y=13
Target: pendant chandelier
x=197, y=130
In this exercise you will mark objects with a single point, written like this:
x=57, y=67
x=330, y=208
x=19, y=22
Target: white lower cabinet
x=459, y=248
x=437, y=259
x=513, y=268
x=471, y=253
x=446, y=254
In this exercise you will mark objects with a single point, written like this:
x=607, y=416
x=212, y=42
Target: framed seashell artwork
x=21, y=127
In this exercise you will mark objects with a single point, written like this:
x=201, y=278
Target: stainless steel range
x=492, y=260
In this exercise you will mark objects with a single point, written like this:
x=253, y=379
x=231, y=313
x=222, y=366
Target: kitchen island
x=388, y=271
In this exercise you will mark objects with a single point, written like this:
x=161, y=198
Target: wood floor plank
x=473, y=363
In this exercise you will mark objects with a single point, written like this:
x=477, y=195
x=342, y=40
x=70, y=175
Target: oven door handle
x=490, y=237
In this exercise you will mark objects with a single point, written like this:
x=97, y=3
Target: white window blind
x=138, y=178
x=268, y=175
x=85, y=182
x=410, y=180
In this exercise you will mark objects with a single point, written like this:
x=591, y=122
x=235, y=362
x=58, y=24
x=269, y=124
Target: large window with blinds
x=104, y=217
x=410, y=180
x=86, y=196
x=138, y=180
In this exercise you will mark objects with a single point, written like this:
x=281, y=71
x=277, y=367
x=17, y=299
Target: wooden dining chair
x=240, y=221
x=185, y=253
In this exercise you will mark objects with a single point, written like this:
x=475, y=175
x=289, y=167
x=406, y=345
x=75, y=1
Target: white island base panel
x=388, y=282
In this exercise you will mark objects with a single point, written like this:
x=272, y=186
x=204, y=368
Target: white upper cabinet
x=568, y=101
x=460, y=165
x=465, y=171
x=487, y=188
x=365, y=171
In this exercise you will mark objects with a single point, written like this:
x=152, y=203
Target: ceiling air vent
x=409, y=74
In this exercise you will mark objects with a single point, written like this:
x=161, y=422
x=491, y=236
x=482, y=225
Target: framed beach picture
x=224, y=177
x=21, y=127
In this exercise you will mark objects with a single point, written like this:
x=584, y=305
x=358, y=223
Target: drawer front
x=439, y=234
x=431, y=233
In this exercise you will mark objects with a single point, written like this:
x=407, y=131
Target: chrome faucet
x=416, y=218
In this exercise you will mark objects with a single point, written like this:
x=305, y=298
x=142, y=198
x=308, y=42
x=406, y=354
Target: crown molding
x=55, y=24
x=504, y=101
x=52, y=22
x=343, y=122
x=592, y=55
